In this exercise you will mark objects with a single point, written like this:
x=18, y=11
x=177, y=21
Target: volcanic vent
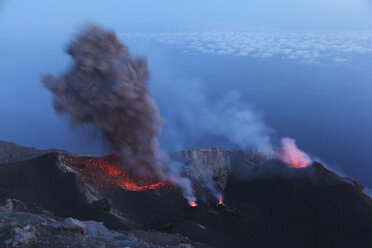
x=104, y=172
x=313, y=206
x=106, y=89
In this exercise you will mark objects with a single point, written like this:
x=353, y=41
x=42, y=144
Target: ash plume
x=105, y=87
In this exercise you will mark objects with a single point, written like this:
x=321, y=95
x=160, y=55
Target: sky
x=166, y=15
x=281, y=68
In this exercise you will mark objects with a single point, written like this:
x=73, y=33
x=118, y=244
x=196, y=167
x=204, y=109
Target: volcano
x=261, y=202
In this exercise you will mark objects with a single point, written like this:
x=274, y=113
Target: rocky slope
x=10, y=152
x=29, y=225
x=266, y=204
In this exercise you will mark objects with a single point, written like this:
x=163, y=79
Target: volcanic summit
x=58, y=199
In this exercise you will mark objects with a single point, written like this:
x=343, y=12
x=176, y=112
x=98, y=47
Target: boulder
x=73, y=225
x=21, y=236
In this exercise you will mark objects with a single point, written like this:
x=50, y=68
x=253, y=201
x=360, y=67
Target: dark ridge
x=274, y=206
x=320, y=212
x=10, y=152
x=41, y=181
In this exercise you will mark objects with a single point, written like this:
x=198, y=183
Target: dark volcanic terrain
x=10, y=152
x=266, y=204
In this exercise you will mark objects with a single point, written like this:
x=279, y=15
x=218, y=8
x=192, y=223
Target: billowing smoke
x=105, y=87
x=227, y=121
x=291, y=155
x=194, y=119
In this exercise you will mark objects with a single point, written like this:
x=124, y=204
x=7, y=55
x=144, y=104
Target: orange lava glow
x=297, y=164
x=220, y=202
x=193, y=204
x=103, y=171
x=292, y=155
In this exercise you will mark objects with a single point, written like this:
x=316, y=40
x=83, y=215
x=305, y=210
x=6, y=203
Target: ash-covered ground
x=53, y=199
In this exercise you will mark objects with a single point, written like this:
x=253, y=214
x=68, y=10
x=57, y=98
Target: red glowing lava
x=291, y=155
x=297, y=164
x=103, y=172
x=193, y=204
x=220, y=202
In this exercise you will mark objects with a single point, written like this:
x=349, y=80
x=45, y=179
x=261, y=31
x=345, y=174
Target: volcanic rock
x=217, y=163
x=8, y=207
x=20, y=236
x=266, y=204
x=37, y=229
x=214, y=162
x=102, y=204
x=73, y=225
x=10, y=152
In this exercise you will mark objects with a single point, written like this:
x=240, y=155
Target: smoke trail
x=291, y=155
x=106, y=88
x=196, y=120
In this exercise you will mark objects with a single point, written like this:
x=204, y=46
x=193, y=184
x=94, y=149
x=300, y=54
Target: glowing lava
x=103, y=172
x=220, y=202
x=292, y=155
x=193, y=204
x=297, y=164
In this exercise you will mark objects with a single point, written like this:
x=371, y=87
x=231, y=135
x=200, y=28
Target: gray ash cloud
x=105, y=87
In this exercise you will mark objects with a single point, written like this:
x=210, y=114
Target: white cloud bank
x=311, y=47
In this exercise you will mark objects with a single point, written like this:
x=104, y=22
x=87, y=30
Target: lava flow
x=103, y=172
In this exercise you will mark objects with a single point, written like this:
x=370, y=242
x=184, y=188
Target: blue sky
x=167, y=15
x=303, y=66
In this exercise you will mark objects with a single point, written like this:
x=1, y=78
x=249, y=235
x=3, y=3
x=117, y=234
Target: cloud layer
x=312, y=47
